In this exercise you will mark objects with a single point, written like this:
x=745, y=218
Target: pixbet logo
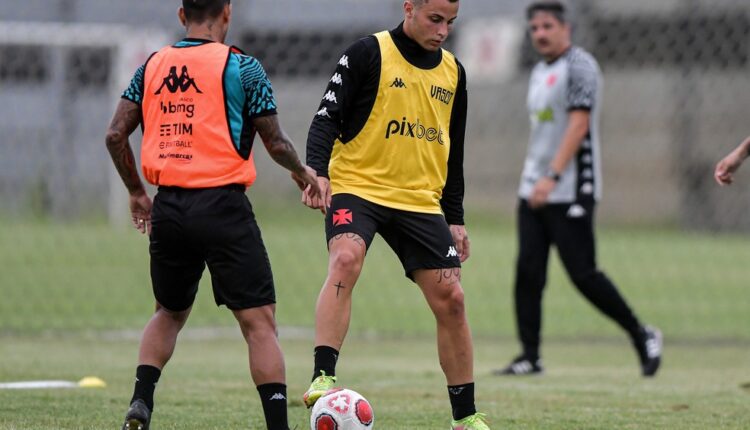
x=414, y=129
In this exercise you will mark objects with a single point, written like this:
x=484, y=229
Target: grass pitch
x=207, y=385
x=75, y=297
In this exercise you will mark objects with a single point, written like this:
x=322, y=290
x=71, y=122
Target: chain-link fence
x=673, y=103
x=676, y=97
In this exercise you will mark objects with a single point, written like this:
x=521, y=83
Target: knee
x=528, y=266
x=530, y=278
x=177, y=317
x=347, y=261
x=585, y=279
x=456, y=302
x=452, y=304
x=258, y=323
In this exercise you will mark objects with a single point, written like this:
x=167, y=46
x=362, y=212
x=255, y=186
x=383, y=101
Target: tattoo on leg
x=352, y=236
x=339, y=287
x=451, y=276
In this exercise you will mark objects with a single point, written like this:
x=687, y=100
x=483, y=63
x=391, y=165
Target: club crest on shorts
x=342, y=217
x=576, y=211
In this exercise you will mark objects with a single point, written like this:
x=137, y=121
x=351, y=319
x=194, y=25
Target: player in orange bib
x=200, y=103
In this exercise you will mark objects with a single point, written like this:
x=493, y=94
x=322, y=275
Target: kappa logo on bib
x=183, y=82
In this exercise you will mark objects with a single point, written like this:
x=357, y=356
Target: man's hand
x=322, y=200
x=463, y=246
x=725, y=168
x=140, y=211
x=307, y=181
x=540, y=194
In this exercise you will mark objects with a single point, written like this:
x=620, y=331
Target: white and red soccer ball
x=342, y=409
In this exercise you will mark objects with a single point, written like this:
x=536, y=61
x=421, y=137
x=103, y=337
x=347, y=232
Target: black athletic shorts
x=216, y=226
x=420, y=240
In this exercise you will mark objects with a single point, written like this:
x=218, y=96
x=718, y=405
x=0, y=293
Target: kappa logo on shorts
x=576, y=211
x=342, y=217
x=452, y=252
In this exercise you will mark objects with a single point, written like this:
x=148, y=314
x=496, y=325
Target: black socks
x=462, y=400
x=146, y=378
x=325, y=361
x=273, y=397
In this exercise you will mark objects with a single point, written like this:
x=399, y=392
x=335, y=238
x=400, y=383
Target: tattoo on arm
x=450, y=276
x=277, y=143
x=126, y=119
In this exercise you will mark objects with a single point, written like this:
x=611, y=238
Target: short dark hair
x=418, y=3
x=201, y=10
x=556, y=8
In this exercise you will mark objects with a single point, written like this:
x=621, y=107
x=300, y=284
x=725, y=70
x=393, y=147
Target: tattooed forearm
x=277, y=143
x=126, y=119
x=450, y=276
x=350, y=236
x=125, y=163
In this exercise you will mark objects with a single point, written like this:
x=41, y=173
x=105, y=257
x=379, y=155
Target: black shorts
x=214, y=226
x=420, y=240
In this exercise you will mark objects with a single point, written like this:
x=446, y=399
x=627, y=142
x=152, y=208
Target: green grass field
x=74, y=298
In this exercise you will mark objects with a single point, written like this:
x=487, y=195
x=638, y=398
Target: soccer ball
x=342, y=409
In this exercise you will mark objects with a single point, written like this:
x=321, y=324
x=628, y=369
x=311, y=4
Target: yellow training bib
x=400, y=157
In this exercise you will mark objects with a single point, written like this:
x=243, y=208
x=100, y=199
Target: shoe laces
x=323, y=381
x=471, y=420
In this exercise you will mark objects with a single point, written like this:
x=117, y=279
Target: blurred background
x=676, y=100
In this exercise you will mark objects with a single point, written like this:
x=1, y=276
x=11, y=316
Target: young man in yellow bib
x=387, y=144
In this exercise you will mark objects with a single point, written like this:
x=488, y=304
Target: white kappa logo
x=452, y=252
x=331, y=97
x=576, y=211
x=344, y=61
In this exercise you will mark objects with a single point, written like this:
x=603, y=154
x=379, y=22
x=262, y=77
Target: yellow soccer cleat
x=477, y=421
x=318, y=388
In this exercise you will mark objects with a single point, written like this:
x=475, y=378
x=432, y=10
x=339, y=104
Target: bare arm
x=728, y=165
x=127, y=118
x=281, y=149
x=277, y=143
x=578, y=127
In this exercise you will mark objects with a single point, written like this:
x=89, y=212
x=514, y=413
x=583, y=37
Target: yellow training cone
x=92, y=382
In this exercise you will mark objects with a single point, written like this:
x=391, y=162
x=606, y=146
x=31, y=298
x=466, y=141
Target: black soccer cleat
x=522, y=365
x=649, y=348
x=138, y=416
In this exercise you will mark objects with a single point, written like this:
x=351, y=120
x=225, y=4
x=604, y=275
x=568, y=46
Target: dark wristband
x=549, y=173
